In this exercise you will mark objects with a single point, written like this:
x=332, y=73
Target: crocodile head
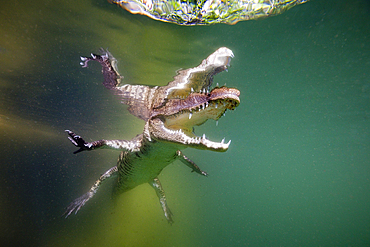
x=174, y=122
x=188, y=103
x=179, y=116
x=197, y=108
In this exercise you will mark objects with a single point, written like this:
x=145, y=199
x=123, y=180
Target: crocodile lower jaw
x=155, y=130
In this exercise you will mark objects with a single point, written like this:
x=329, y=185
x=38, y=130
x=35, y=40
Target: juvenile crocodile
x=170, y=113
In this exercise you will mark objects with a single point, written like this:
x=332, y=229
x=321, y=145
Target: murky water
x=297, y=171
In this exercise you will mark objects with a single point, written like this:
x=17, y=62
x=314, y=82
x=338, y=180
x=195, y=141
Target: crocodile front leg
x=190, y=163
x=122, y=145
x=79, y=202
x=162, y=199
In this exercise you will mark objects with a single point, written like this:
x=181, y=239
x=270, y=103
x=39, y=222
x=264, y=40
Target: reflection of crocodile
x=205, y=12
x=170, y=113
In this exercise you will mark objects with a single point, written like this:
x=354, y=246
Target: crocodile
x=170, y=113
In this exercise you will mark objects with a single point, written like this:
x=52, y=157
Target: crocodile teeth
x=83, y=58
x=192, y=90
x=216, y=105
x=217, y=123
x=178, y=131
x=190, y=114
x=93, y=56
x=223, y=141
x=204, y=136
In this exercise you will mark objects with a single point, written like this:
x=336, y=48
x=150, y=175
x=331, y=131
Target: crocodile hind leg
x=190, y=163
x=79, y=202
x=162, y=199
x=109, y=67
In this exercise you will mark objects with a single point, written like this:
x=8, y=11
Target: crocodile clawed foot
x=78, y=142
x=204, y=173
x=168, y=214
x=76, y=205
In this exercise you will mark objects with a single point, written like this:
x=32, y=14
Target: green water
x=297, y=171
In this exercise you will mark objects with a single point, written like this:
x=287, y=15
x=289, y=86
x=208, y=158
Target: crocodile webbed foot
x=79, y=142
x=78, y=203
x=109, y=67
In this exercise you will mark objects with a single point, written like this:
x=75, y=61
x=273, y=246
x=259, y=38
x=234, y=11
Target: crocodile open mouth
x=197, y=108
